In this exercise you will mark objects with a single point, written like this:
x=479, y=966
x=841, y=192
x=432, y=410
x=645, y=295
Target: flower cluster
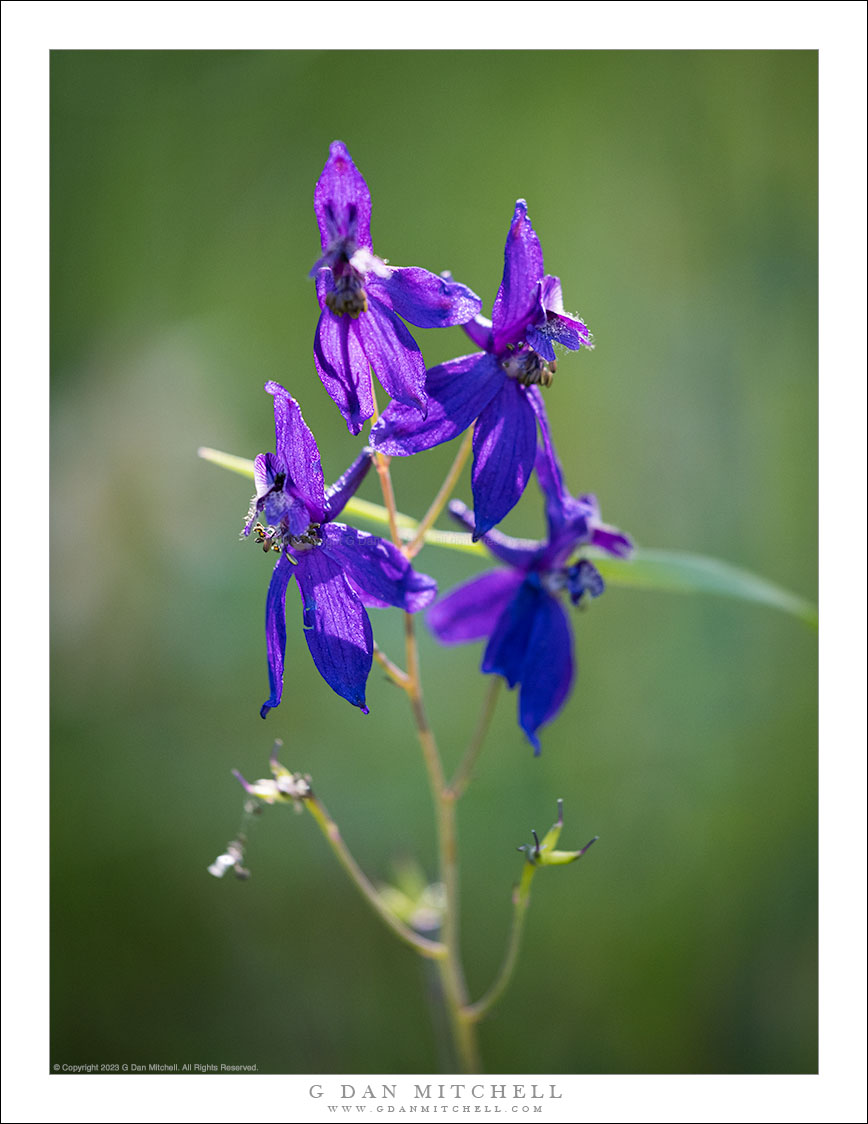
x=340, y=571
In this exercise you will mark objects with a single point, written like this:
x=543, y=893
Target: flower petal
x=539, y=340
x=504, y=447
x=342, y=201
x=275, y=630
x=471, y=611
x=277, y=497
x=612, y=540
x=479, y=330
x=519, y=299
x=570, y=333
x=547, y=674
x=393, y=353
x=297, y=452
x=325, y=284
x=337, y=628
x=343, y=367
x=552, y=294
x=558, y=327
x=521, y=553
x=425, y=299
x=604, y=535
x=458, y=391
x=344, y=489
x=377, y=570
x=505, y=652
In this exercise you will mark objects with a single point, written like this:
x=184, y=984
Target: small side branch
x=520, y=901
x=440, y=500
x=398, y=677
x=433, y=950
x=464, y=772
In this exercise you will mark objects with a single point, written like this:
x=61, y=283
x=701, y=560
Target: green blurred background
x=675, y=195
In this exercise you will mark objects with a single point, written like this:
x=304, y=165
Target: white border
x=31, y=29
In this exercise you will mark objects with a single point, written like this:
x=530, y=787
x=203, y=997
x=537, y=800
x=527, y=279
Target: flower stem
x=381, y=461
x=398, y=677
x=520, y=902
x=451, y=972
x=440, y=500
x=463, y=774
x=433, y=950
x=449, y=964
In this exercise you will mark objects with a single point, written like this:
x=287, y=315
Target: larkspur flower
x=362, y=299
x=519, y=610
x=339, y=570
x=499, y=386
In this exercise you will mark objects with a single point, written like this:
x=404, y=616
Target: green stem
x=520, y=902
x=440, y=500
x=451, y=972
x=398, y=677
x=449, y=965
x=463, y=774
x=433, y=950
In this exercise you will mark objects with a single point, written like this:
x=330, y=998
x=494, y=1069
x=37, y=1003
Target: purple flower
x=338, y=569
x=362, y=298
x=499, y=386
x=519, y=609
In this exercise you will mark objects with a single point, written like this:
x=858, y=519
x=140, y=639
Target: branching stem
x=398, y=677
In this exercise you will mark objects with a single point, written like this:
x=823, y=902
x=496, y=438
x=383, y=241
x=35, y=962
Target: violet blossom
x=499, y=386
x=362, y=298
x=338, y=569
x=519, y=610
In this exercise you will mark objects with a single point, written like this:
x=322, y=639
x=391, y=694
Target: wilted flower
x=519, y=610
x=231, y=859
x=499, y=386
x=282, y=787
x=339, y=570
x=360, y=295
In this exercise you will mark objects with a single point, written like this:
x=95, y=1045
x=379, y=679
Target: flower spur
x=518, y=610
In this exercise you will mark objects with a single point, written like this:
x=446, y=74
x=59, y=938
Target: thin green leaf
x=667, y=570
x=241, y=465
x=675, y=572
x=376, y=513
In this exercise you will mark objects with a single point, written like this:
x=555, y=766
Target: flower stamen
x=276, y=538
x=311, y=537
x=528, y=368
x=348, y=295
x=269, y=538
